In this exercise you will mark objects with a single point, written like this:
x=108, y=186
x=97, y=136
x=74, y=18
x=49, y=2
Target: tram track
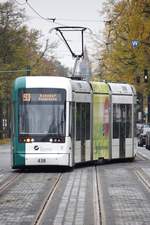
x=67, y=199
x=31, y=193
x=79, y=197
x=142, y=156
x=11, y=179
x=99, y=217
x=46, y=202
x=144, y=179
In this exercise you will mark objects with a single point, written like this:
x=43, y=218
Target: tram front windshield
x=42, y=114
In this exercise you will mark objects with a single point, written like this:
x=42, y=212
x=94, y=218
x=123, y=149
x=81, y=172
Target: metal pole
x=75, y=66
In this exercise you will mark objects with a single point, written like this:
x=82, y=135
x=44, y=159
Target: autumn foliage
x=127, y=21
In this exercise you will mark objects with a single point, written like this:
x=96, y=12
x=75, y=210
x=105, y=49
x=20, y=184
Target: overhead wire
x=79, y=20
x=57, y=19
x=20, y=3
x=37, y=13
x=42, y=17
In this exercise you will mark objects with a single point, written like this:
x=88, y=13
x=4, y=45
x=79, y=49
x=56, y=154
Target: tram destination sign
x=41, y=97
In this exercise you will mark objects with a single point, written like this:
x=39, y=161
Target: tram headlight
x=51, y=140
x=28, y=140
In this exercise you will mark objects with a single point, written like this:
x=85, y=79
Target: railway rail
x=10, y=180
x=37, y=198
x=47, y=201
x=72, y=203
x=22, y=196
x=142, y=156
x=100, y=215
x=142, y=176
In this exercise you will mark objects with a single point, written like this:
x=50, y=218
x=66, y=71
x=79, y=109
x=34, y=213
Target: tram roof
x=100, y=87
x=42, y=82
x=73, y=85
x=47, y=82
x=120, y=88
x=81, y=86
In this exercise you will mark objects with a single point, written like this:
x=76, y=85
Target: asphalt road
x=5, y=156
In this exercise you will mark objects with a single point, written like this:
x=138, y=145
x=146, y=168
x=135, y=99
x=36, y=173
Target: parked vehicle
x=147, y=141
x=139, y=127
x=142, y=135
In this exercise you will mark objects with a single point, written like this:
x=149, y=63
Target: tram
x=63, y=121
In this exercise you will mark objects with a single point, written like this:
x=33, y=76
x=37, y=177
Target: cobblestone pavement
x=105, y=194
x=75, y=202
x=125, y=199
x=144, y=152
x=19, y=204
x=4, y=175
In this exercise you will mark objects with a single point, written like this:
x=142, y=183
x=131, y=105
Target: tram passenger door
x=122, y=131
x=122, y=136
x=73, y=129
x=82, y=143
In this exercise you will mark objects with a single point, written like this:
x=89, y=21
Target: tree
x=128, y=20
x=19, y=48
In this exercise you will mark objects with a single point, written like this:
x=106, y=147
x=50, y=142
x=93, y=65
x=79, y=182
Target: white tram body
x=62, y=121
x=124, y=143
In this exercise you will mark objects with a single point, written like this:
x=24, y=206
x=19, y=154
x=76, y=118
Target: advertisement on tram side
x=101, y=126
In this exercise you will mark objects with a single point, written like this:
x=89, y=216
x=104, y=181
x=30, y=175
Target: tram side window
x=116, y=120
x=78, y=121
x=82, y=121
x=12, y=120
x=128, y=121
x=135, y=120
x=87, y=107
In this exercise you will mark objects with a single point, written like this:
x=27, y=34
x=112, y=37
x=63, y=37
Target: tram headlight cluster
x=30, y=139
x=26, y=139
x=56, y=140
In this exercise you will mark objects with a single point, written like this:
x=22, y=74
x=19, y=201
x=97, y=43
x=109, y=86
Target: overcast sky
x=67, y=12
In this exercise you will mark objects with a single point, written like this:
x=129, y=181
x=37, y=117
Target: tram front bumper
x=48, y=159
x=60, y=159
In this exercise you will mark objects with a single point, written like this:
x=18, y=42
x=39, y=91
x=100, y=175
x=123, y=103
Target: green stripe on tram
x=19, y=148
x=101, y=128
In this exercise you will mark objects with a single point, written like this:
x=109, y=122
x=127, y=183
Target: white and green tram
x=63, y=121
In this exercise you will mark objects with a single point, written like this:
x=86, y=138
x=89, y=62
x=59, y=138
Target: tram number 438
x=41, y=160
